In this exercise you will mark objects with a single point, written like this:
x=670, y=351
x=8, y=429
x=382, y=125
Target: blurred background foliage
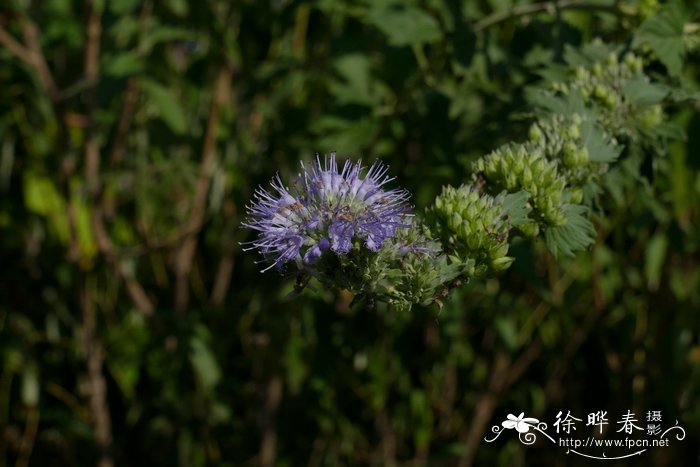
x=134, y=331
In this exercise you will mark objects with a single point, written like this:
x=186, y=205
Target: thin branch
x=484, y=409
x=505, y=373
x=120, y=137
x=91, y=71
x=130, y=95
x=183, y=265
x=268, y=444
x=29, y=437
x=92, y=162
x=30, y=52
x=15, y=48
x=222, y=280
x=94, y=360
x=94, y=353
x=543, y=7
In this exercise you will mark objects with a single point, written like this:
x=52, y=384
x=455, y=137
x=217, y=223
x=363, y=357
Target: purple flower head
x=330, y=210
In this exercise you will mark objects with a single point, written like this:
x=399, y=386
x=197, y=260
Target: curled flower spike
x=332, y=210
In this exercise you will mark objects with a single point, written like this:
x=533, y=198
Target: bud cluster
x=525, y=167
x=474, y=225
x=603, y=86
x=560, y=139
x=600, y=83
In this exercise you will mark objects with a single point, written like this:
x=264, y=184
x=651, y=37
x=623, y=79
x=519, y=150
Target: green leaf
x=168, y=34
x=124, y=64
x=83, y=226
x=587, y=54
x=508, y=332
x=42, y=197
x=294, y=361
x=119, y=7
x=357, y=85
x=577, y=234
x=127, y=340
x=405, y=25
x=515, y=204
x=599, y=145
x=30, y=386
x=641, y=92
x=654, y=259
x=684, y=94
x=203, y=361
x=558, y=104
x=663, y=32
x=166, y=104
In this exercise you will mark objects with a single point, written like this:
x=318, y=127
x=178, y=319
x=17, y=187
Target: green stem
x=547, y=7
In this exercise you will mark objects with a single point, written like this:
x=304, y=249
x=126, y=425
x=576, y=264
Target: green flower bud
x=611, y=59
x=501, y=264
x=535, y=134
x=597, y=69
x=570, y=154
x=574, y=131
x=600, y=92
x=638, y=65
x=581, y=73
x=651, y=117
x=474, y=242
x=610, y=100
x=582, y=156
x=576, y=196
x=455, y=221
x=499, y=251
x=529, y=229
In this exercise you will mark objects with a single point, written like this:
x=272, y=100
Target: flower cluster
x=344, y=228
x=330, y=210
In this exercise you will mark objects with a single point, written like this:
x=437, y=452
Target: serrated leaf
x=577, y=234
x=357, y=85
x=641, y=92
x=663, y=32
x=599, y=145
x=405, y=25
x=684, y=94
x=166, y=104
x=670, y=130
x=587, y=54
x=558, y=104
x=515, y=204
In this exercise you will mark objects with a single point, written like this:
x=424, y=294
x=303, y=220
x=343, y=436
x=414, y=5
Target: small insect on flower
x=331, y=212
